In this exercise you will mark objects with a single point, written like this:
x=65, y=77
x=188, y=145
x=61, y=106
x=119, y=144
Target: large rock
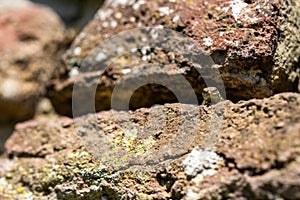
x=255, y=153
x=30, y=39
x=253, y=44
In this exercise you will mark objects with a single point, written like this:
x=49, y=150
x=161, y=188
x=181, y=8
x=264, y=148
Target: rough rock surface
x=30, y=37
x=255, y=155
x=253, y=44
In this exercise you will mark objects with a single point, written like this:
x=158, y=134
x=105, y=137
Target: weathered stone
x=40, y=144
x=254, y=45
x=255, y=154
x=30, y=39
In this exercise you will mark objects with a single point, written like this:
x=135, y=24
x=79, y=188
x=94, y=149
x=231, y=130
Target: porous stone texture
x=255, y=154
x=253, y=44
x=30, y=39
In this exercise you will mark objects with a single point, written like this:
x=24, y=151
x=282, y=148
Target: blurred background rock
x=31, y=43
x=75, y=13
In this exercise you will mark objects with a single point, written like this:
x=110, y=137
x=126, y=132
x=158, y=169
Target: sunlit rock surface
x=255, y=155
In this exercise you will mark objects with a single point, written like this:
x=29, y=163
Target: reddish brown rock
x=43, y=141
x=254, y=45
x=255, y=154
x=30, y=39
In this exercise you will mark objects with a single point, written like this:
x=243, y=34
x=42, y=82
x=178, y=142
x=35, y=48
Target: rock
x=254, y=45
x=4, y=5
x=156, y=153
x=74, y=13
x=44, y=110
x=41, y=143
x=30, y=39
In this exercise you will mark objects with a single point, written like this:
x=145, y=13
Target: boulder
x=172, y=151
x=30, y=40
x=252, y=46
